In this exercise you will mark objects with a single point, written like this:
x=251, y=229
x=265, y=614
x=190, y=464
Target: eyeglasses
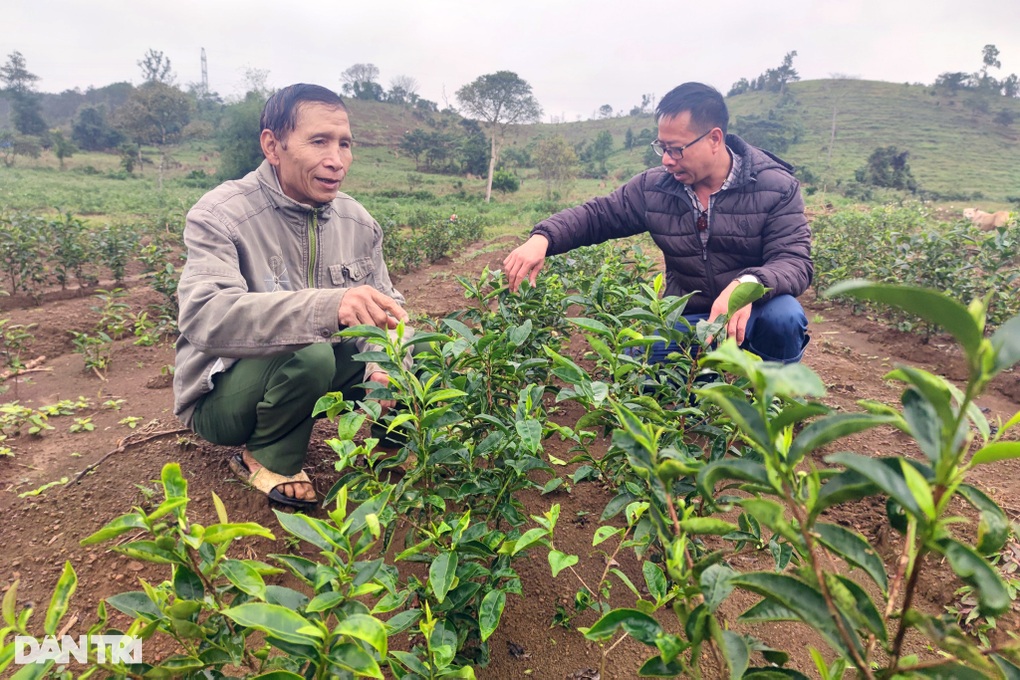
x=675, y=152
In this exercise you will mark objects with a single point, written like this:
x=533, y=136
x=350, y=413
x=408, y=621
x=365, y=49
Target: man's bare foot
x=303, y=491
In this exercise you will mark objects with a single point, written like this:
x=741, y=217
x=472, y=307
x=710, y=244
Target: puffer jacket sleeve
x=617, y=215
x=221, y=317
x=787, y=268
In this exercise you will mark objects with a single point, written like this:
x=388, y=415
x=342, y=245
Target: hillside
x=955, y=147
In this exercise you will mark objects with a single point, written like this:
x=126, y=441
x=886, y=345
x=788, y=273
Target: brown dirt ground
x=39, y=533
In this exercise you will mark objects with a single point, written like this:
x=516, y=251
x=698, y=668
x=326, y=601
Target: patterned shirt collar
x=735, y=165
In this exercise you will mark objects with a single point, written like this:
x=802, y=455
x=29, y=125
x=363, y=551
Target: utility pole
x=205, y=74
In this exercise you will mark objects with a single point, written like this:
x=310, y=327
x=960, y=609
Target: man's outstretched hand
x=525, y=261
x=366, y=305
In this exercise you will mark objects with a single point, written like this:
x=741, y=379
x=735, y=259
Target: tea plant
x=783, y=490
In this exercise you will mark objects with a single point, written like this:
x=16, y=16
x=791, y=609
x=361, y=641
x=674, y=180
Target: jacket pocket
x=354, y=273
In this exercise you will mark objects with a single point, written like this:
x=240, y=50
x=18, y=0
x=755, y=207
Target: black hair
x=705, y=104
x=280, y=113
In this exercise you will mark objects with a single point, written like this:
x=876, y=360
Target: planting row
x=689, y=443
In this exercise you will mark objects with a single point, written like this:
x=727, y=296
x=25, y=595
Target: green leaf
x=885, y=473
x=353, y=658
x=716, y=585
x=221, y=533
x=862, y=610
x=278, y=675
x=244, y=577
x=174, y=483
x=65, y=588
x=655, y=580
x=490, y=611
x=933, y=307
x=737, y=653
x=148, y=551
x=9, y=603
x=827, y=430
x=442, y=573
x=855, y=549
x=743, y=414
x=187, y=584
x=411, y=662
x=919, y=489
x=799, y=597
x=560, y=561
x=325, y=601
x=707, y=525
x=924, y=422
x=121, y=525
x=530, y=432
x=446, y=394
x=993, y=526
x=275, y=620
x=841, y=488
x=1006, y=343
x=528, y=539
x=591, y=325
x=364, y=627
x=995, y=452
x=309, y=529
x=637, y=624
x=655, y=667
x=135, y=604
x=974, y=570
x=744, y=470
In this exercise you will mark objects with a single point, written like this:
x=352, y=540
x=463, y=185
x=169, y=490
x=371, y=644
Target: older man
x=278, y=262
x=721, y=210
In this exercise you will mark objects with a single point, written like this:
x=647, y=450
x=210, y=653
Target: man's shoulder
x=348, y=208
x=233, y=192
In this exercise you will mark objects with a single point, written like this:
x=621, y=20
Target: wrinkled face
x=312, y=159
x=699, y=158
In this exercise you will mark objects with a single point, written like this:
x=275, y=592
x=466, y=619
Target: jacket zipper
x=313, y=229
x=704, y=252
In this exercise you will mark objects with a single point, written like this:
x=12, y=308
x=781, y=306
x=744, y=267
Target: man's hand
x=525, y=261
x=383, y=379
x=737, y=324
x=366, y=305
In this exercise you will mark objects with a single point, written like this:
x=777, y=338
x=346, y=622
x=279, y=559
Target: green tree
x=414, y=143
x=360, y=82
x=556, y=162
x=19, y=87
x=888, y=167
x=499, y=99
x=403, y=90
x=605, y=111
x=156, y=114
x=62, y=146
x=92, y=132
x=238, y=138
x=597, y=153
x=156, y=68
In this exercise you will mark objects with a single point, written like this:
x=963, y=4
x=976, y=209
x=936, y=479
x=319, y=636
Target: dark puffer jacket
x=757, y=226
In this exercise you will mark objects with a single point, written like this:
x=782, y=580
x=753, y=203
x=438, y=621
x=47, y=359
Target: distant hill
x=959, y=144
x=955, y=144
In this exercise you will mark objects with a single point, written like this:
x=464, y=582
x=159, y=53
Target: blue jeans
x=776, y=331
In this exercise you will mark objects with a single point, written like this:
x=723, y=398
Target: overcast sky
x=577, y=55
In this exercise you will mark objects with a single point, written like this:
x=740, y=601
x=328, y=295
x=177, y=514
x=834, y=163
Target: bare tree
x=156, y=68
x=403, y=89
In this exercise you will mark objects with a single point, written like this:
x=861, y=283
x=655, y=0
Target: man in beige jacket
x=278, y=262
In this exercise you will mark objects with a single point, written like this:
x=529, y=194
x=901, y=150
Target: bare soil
x=39, y=533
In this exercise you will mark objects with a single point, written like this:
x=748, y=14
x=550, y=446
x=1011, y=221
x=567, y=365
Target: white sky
x=577, y=55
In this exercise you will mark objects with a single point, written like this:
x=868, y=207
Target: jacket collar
x=270, y=183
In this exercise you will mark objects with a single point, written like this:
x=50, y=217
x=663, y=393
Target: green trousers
x=266, y=404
